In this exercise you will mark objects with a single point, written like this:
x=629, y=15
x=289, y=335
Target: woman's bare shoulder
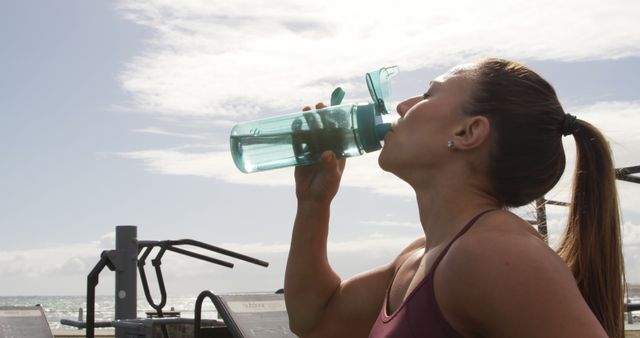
x=504, y=278
x=502, y=248
x=502, y=240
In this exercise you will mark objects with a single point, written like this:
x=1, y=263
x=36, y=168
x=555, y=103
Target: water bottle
x=300, y=138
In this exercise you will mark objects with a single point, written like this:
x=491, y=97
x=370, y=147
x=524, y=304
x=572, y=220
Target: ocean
x=66, y=307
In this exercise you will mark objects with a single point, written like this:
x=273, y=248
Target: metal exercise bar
x=552, y=202
x=623, y=174
x=626, y=174
x=201, y=257
x=197, y=323
x=145, y=247
x=173, y=243
x=92, y=282
x=156, y=262
x=145, y=284
x=124, y=261
x=541, y=218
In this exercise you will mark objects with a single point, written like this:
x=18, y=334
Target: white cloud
x=108, y=241
x=393, y=224
x=619, y=121
x=159, y=131
x=67, y=266
x=212, y=164
x=53, y=261
x=390, y=243
x=229, y=59
x=235, y=58
x=361, y=172
x=631, y=235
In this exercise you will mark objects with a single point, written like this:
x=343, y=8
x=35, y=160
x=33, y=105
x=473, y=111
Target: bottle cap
x=380, y=89
x=371, y=129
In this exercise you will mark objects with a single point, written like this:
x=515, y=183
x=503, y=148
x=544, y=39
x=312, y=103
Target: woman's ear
x=472, y=133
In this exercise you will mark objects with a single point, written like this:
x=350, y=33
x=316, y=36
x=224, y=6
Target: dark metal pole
x=197, y=323
x=92, y=282
x=126, y=274
x=541, y=217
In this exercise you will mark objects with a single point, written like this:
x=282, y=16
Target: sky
x=119, y=113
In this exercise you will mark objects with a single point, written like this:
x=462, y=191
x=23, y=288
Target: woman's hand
x=319, y=182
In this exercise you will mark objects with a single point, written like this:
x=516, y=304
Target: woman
x=483, y=138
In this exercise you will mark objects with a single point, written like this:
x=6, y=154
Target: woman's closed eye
x=425, y=96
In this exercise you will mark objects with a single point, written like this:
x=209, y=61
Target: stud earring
x=450, y=145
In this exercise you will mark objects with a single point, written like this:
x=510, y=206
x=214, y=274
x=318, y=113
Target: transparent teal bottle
x=300, y=138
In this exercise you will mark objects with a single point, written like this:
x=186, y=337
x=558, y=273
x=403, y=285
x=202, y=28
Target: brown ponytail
x=592, y=242
x=527, y=160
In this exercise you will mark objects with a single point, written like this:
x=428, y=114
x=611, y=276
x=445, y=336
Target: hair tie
x=569, y=125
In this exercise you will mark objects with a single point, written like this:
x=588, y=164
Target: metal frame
x=622, y=174
x=124, y=261
x=198, y=312
x=627, y=174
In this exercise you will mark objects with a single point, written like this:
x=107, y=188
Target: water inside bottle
x=296, y=139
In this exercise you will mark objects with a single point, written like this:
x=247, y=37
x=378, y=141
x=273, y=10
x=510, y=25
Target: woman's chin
x=384, y=162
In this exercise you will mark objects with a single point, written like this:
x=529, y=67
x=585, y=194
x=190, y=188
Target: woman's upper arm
x=355, y=305
x=514, y=286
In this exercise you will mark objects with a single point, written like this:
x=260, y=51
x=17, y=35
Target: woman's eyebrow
x=434, y=85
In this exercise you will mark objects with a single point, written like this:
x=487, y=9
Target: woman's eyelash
x=425, y=96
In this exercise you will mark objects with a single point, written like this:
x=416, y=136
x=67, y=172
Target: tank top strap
x=458, y=235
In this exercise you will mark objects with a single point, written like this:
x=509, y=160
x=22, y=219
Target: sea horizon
x=61, y=307
x=58, y=307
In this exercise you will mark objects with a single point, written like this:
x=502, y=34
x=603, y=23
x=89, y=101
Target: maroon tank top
x=419, y=315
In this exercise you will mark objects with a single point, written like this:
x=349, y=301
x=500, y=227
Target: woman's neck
x=445, y=208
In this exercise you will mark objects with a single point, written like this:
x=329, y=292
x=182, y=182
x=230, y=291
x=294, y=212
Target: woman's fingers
x=319, y=105
x=332, y=164
x=328, y=159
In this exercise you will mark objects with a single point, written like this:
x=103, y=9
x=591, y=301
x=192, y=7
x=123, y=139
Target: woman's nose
x=405, y=105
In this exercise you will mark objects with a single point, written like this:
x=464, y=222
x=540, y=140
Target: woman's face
x=418, y=140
